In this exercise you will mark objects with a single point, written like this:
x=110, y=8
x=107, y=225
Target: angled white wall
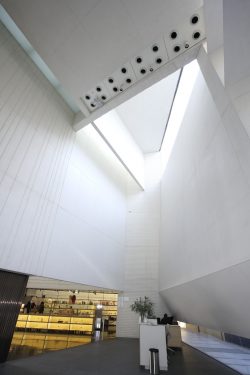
x=205, y=226
x=62, y=202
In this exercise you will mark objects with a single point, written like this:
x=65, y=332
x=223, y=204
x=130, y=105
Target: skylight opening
x=183, y=94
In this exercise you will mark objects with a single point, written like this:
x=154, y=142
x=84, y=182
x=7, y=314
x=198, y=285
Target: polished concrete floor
x=234, y=356
x=26, y=344
x=111, y=357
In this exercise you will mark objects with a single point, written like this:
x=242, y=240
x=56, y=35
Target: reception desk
x=153, y=336
x=174, y=336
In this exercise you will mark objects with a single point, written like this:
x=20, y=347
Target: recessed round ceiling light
x=115, y=89
x=196, y=35
x=177, y=48
x=124, y=70
x=92, y=105
x=138, y=60
x=104, y=97
x=128, y=80
x=155, y=48
x=173, y=35
x=194, y=19
x=110, y=80
x=87, y=97
x=98, y=89
x=143, y=71
x=158, y=60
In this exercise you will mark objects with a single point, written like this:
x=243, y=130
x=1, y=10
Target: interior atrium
x=124, y=174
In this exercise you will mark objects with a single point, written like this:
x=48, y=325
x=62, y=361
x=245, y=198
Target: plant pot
x=143, y=319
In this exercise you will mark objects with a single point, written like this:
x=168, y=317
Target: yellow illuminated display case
x=61, y=316
x=58, y=323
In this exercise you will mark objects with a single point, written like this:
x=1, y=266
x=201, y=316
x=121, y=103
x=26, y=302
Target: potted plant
x=143, y=307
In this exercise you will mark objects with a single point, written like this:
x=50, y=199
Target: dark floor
x=112, y=357
x=27, y=344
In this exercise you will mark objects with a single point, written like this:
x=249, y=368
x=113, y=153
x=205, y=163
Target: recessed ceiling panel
x=185, y=35
x=150, y=59
x=177, y=40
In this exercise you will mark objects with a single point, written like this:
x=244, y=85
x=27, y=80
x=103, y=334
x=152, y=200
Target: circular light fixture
x=143, y=71
x=155, y=48
x=98, y=89
x=128, y=80
x=110, y=80
x=104, y=97
x=92, y=105
x=123, y=70
x=115, y=89
x=173, y=35
x=177, y=48
x=158, y=60
x=138, y=60
x=87, y=97
x=194, y=19
x=196, y=35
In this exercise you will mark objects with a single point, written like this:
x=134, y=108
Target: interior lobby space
x=124, y=185
x=62, y=315
x=108, y=358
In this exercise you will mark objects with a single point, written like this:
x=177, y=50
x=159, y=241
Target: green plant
x=143, y=306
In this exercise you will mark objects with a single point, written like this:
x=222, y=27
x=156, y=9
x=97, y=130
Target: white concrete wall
x=142, y=249
x=62, y=202
x=236, y=31
x=205, y=226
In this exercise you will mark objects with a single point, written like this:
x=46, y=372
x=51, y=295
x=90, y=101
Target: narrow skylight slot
x=180, y=104
x=90, y=139
x=112, y=129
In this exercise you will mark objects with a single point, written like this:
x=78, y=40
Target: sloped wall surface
x=62, y=204
x=205, y=205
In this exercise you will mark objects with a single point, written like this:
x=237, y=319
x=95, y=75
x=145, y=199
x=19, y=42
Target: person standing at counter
x=166, y=319
x=28, y=307
x=41, y=308
x=33, y=307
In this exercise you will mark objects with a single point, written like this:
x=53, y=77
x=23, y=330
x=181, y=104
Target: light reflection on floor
x=25, y=344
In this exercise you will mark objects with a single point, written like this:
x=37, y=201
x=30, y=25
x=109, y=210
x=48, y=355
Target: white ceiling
x=85, y=41
x=146, y=114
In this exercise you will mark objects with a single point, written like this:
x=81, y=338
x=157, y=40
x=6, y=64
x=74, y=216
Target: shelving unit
x=61, y=316
x=55, y=323
x=59, y=308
